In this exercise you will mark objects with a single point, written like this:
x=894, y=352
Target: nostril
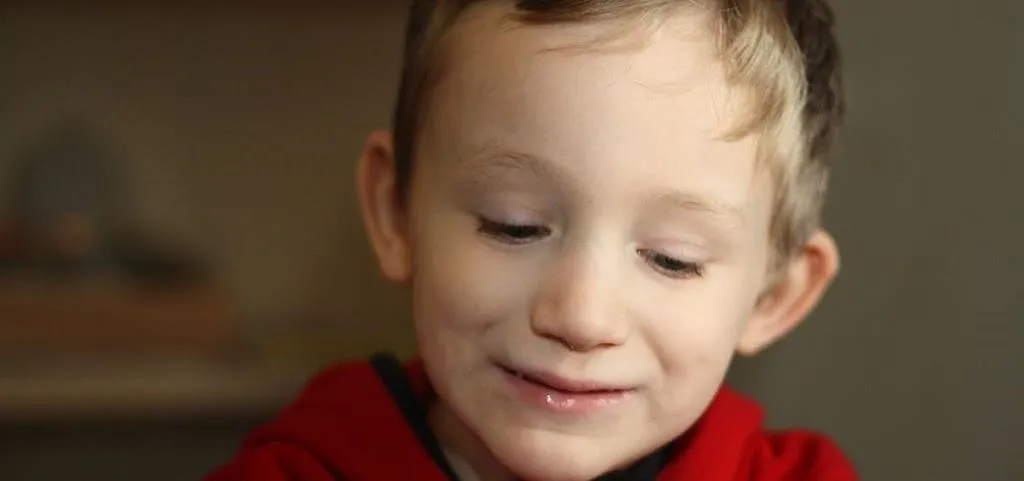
x=568, y=344
x=572, y=344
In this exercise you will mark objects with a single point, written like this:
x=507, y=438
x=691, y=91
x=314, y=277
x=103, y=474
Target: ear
x=383, y=215
x=798, y=288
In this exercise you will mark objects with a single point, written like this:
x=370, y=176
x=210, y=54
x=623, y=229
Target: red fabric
x=345, y=427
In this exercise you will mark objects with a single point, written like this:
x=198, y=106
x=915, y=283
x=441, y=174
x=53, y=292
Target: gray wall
x=240, y=124
x=914, y=360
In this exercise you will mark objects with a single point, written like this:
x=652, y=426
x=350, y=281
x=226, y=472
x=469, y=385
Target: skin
x=577, y=211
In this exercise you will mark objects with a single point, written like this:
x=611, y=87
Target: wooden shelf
x=96, y=316
x=133, y=388
x=81, y=350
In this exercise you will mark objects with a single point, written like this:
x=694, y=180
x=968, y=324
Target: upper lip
x=563, y=383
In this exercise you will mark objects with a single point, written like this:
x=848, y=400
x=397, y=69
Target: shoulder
x=800, y=455
x=730, y=443
x=344, y=425
x=344, y=401
x=292, y=445
x=792, y=454
x=340, y=382
x=358, y=384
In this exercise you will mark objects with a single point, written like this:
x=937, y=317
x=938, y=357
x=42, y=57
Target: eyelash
x=520, y=234
x=512, y=234
x=671, y=266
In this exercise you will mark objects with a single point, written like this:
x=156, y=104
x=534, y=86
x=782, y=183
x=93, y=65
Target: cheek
x=699, y=321
x=466, y=300
x=692, y=331
x=463, y=288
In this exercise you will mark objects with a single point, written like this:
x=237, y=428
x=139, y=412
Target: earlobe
x=796, y=292
x=383, y=214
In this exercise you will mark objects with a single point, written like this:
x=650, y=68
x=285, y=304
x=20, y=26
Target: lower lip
x=564, y=402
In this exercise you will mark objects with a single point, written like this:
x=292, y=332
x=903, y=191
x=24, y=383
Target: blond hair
x=784, y=53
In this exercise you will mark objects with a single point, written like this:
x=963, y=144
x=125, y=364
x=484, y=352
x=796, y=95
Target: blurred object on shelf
x=13, y=244
x=71, y=218
x=68, y=197
x=77, y=275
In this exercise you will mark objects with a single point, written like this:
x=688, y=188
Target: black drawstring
x=392, y=373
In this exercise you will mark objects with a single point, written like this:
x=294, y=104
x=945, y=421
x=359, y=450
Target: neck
x=466, y=453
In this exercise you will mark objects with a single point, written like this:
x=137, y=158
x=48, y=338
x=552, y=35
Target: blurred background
x=180, y=247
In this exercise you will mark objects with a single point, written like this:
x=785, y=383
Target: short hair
x=783, y=52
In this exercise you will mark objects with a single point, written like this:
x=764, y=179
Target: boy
x=595, y=203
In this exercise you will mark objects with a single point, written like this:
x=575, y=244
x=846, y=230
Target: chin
x=553, y=456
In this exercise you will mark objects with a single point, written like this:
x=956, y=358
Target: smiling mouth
x=565, y=386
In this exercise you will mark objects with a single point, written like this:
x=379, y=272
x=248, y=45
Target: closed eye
x=670, y=266
x=512, y=234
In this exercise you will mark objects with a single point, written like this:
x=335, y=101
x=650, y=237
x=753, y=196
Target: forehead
x=653, y=102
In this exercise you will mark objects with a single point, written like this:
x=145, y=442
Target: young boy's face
x=586, y=252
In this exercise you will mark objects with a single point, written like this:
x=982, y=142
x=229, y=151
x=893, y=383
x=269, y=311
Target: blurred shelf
x=95, y=315
x=129, y=388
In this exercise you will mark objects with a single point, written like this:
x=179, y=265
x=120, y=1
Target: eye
x=671, y=266
x=513, y=234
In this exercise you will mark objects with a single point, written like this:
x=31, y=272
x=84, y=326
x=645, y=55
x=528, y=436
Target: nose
x=577, y=305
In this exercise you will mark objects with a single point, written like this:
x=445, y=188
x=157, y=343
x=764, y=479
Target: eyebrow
x=487, y=161
x=698, y=203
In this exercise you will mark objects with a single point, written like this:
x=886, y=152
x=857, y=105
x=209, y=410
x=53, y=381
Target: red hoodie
x=353, y=423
